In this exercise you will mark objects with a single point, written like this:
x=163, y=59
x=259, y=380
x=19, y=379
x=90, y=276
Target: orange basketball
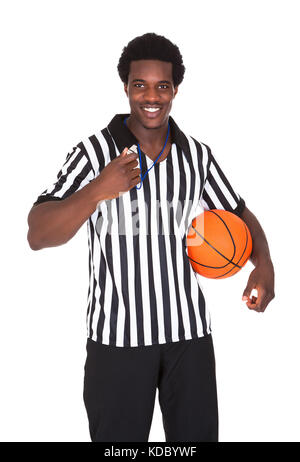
x=219, y=244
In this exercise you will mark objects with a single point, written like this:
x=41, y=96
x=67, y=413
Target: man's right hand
x=54, y=223
x=119, y=176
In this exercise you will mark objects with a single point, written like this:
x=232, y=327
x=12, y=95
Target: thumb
x=124, y=152
x=250, y=286
x=247, y=292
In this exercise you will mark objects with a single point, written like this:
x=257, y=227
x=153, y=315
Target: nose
x=151, y=94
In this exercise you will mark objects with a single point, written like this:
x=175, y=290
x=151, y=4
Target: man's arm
x=262, y=277
x=54, y=223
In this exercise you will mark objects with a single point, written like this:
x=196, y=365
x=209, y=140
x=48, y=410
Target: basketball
x=219, y=244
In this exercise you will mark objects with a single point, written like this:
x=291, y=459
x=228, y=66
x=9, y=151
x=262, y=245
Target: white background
x=240, y=95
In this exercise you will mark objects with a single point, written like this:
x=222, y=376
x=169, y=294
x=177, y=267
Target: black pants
x=120, y=387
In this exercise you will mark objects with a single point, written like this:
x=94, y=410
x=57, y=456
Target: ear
x=126, y=89
x=175, y=91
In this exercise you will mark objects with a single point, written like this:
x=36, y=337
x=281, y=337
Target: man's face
x=150, y=86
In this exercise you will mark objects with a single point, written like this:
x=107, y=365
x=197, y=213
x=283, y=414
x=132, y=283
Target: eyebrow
x=160, y=81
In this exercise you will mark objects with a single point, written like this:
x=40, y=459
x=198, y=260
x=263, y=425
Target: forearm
x=262, y=278
x=54, y=223
x=260, y=250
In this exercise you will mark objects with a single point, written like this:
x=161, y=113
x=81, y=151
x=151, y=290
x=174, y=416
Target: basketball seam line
x=205, y=240
x=229, y=261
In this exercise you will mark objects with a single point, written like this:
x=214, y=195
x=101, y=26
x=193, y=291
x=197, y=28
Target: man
x=138, y=183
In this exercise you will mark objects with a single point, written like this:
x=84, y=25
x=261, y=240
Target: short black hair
x=151, y=46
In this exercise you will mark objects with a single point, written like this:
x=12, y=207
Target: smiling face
x=150, y=91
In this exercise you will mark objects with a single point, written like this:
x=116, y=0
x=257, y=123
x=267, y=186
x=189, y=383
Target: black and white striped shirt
x=142, y=288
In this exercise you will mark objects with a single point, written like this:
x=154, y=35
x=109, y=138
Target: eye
x=138, y=85
x=165, y=86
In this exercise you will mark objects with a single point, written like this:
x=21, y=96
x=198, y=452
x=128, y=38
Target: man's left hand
x=261, y=279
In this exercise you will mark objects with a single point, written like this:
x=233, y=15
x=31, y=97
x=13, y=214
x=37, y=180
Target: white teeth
x=151, y=109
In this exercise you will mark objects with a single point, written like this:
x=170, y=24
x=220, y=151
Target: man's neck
x=148, y=138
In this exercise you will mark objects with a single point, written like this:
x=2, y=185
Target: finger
x=252, y=305
x=261, y=299
x=268, y=296
x=247, y=292
x=124, y=152
x=135, y=182
x=132, y=165
x=135, y=173
x=130, y=157
x=266, y=300
x=255, y=305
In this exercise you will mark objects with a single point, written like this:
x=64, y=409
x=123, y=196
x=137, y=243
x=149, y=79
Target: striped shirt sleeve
x=76, y=172
x=218, y=193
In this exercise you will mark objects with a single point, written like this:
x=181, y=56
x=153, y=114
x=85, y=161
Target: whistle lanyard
x=140, y=155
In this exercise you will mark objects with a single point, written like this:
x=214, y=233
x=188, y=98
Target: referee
x=138, y=183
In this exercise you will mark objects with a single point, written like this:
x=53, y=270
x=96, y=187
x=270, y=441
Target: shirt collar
x=125, y=138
